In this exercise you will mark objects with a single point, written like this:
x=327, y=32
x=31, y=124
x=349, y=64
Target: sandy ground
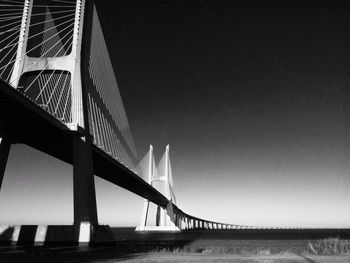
x=189, y=257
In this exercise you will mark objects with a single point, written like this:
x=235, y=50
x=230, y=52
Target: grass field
x=225, y=258
x=329, y=246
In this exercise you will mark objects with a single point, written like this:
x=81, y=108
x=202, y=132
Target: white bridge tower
x=161, y=178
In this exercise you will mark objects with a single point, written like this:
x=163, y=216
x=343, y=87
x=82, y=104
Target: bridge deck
x=27, y=123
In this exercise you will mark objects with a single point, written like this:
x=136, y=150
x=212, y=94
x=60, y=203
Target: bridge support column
x=143, y=223
x=158, y=216
x=4, y=153
x=162, y=217
x=177, y=220
x=170, y=217
x=85, y=211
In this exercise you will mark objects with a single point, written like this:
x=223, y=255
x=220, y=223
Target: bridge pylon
x=160, y=177
x=66, y=60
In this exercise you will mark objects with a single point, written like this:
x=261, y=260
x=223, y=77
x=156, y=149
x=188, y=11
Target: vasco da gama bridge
x=59, y=95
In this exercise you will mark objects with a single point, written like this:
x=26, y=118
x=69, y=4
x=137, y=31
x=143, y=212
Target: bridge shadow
x=64, y=253
x=127, y=246
x=6, y=235
x=19, y=235
x=26, y=234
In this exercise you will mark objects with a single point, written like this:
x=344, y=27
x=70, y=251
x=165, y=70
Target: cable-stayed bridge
x=59, y=95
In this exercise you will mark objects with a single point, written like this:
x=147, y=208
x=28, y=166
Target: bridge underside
x=24, y=122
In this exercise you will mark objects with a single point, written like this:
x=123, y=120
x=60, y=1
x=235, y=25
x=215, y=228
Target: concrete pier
x=5, y=146
x=85, y=210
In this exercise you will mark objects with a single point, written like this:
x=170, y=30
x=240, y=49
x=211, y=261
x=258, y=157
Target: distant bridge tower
x=161, y=178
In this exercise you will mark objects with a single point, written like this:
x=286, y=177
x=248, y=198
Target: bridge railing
x=185, y=221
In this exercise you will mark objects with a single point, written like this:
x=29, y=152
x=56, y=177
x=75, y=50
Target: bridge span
x=59, y=95
x=19, y=114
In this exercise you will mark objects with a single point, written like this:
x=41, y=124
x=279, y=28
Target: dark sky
x=209, y=71
x=252, y=91
x=252, y=97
